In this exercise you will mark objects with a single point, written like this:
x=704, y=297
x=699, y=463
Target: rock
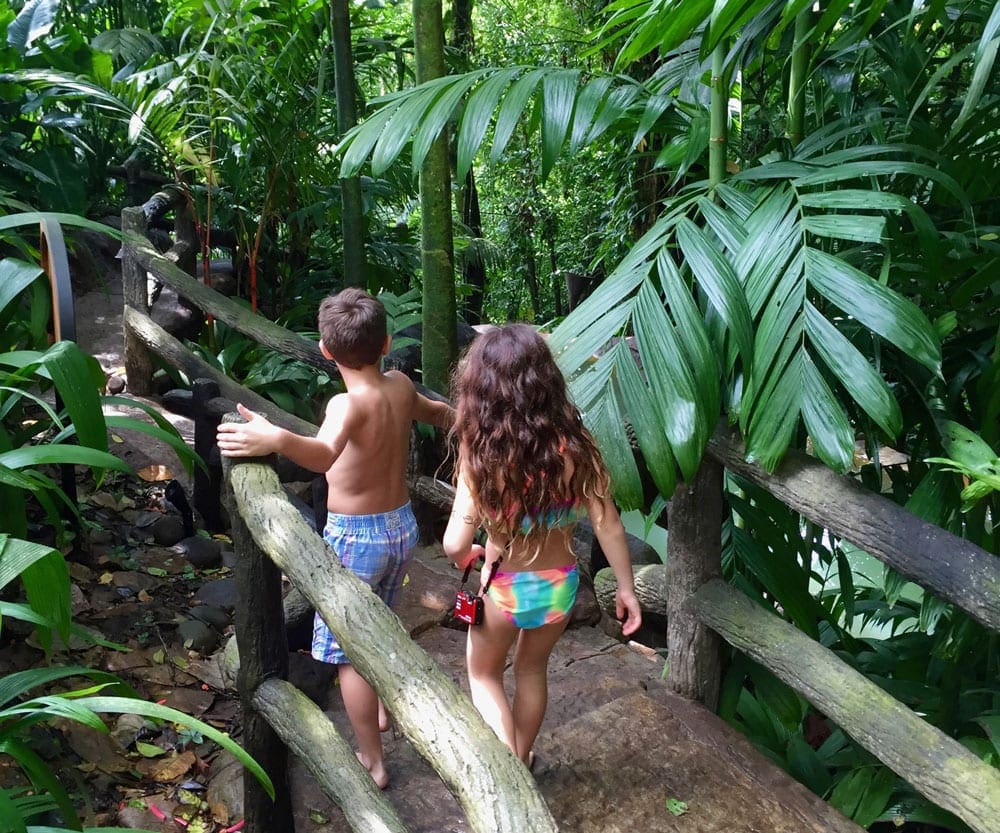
x=165, y=530
x=211, y=616
x=197, y=636
x=129, y=727
x=203, y=553
x=116, y=384
x=219, y=593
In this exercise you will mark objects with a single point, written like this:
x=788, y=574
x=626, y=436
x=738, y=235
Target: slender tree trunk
x=436, y=244
x=352, y=220
x=719, y=118
x=797, y=79
x=467, y=197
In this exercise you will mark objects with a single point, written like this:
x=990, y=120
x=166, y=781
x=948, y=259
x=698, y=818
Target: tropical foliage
x=792, y=206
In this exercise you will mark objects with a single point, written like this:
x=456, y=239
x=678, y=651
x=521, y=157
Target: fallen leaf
x=155, y=473
x=106, y=578
x=159, y=656
x=220, y=813
x=104, y=500
x=117, y=439
x=149, y=750
x=144, y=596
x=173, y=768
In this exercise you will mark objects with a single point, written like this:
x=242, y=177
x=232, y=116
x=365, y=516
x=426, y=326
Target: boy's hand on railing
x=256, y=437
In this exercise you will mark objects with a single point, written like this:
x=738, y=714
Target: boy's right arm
x=258, y=437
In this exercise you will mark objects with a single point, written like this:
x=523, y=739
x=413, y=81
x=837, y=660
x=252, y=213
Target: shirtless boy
x=362, y=445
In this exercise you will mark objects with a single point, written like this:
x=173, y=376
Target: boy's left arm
x=433, y=412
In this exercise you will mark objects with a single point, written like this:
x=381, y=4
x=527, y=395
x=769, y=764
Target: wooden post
x=694, y=556
x=207, y=485
x=263, y=650
x=138, y=362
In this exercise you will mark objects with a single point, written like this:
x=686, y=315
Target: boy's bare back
x=372, y=421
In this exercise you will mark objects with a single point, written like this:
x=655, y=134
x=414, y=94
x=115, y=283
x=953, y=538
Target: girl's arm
x=462, y=525
x=610, y=532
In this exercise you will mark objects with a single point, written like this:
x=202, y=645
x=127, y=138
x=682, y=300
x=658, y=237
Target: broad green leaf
x=42, y=778
x=359, y=141
x=11, y=816
x=986, y=54
x=773, y=423
x=558, y=97
x=33, y=218
x=476, y=119
x=405, y=119
x=46, y=583
x=430, y=126
x=645, y=418
x=861, y=227
x=512, y=109
x=716, y=277
x=589, y=99
x=671, y=382
x=854, y=372
x=78, y=455
x=70, y=371
x=826, y=422
x=15, y=276
x=889, y=168
x=885, y=312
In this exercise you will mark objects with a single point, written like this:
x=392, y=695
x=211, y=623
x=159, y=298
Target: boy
x=363, y=446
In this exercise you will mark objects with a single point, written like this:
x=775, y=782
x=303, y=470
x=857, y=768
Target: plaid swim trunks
x=376, y=548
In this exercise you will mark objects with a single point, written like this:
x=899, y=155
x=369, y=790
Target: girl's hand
x=476, y=551
x=627, y=608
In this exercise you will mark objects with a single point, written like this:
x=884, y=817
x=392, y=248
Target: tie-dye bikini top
x=562, y=514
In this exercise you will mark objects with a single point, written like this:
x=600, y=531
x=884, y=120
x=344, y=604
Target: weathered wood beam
x=495, y=790
x=948, y=566
x=938, y=766
x=237, y=316
x=159, y=341
x=310, y=735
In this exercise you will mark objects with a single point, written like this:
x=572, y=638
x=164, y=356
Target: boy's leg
x=486, y=656
x=531, y=691
x=362, y=705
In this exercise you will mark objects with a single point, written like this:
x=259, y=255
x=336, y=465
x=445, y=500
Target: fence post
x=263, y=652
x=207, y=485
x=694, y=556
x=138, y=361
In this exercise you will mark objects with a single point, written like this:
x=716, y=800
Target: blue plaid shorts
x=376, y=548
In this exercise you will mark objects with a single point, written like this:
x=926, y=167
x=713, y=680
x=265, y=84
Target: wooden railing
x=700, y=608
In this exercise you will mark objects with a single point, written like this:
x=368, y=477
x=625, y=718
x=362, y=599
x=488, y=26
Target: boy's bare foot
x=384, y=718
x=378, y=773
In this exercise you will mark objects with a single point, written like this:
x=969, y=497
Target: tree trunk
x=938, y=766
x=439, y=349
x=694, y=555
x=352, y=220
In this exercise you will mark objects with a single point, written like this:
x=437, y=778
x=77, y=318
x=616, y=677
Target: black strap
x=489, y=581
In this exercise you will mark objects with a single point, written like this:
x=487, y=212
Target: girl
x=527, y=471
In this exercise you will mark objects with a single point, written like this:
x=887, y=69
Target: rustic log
x=138, y=362
x=495, y=789
x=650, y=589
x=950, y=567
x=310, y=735
x=228, y=311
x=263, y=651
x=938, y=766
x=435, y=492
x=154, y=337
x=694, y=556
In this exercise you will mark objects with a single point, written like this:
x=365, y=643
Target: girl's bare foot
x=378, y=773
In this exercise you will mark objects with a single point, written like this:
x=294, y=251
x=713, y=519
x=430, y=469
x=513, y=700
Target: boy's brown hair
x=352, y=326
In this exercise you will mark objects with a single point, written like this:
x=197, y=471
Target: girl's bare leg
x=531, y=692
x=362, y=706
x=486, y=656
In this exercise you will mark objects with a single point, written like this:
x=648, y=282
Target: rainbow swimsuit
x=534, y=598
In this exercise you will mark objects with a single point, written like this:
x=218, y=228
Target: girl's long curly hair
x=519, y=435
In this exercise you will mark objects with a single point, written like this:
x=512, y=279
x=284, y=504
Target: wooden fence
x=437, y=719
